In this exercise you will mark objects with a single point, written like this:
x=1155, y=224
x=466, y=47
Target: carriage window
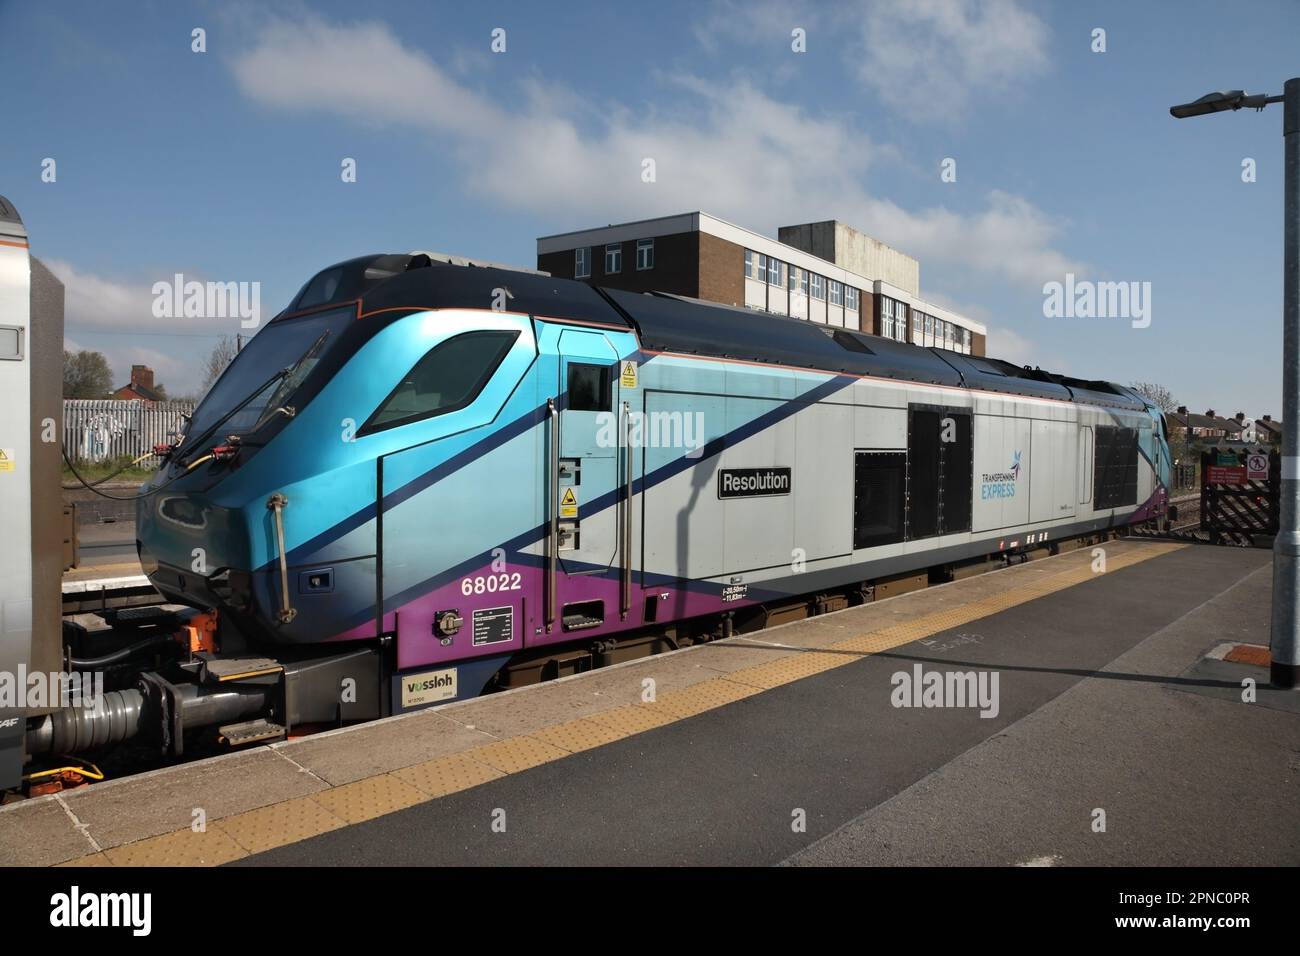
x=590, y=388
x=449, y=377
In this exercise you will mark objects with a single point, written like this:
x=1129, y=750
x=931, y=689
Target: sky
x=226, y=165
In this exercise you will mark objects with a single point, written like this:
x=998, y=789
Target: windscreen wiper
x=198, y=442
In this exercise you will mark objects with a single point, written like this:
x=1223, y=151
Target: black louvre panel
x=958, y=465
x=878, y=488
x=922, y=473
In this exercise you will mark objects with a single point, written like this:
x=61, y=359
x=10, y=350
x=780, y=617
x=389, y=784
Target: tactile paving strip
x=181, y=848
x=517, y=753
x=775, y=673
x=708, y=695
x=630, y=719
x=368, y=798
x=578, y=735
x=445, y=775
x=280, y=823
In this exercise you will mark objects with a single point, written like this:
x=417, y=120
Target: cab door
x=591, y=445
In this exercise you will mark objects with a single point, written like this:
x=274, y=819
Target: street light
x=1226, y=100
x=1284, y=630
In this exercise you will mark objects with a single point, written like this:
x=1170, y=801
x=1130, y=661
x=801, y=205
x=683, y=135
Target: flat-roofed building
x=824, y=272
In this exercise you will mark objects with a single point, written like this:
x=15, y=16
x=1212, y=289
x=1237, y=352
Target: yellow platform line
x=291, y=821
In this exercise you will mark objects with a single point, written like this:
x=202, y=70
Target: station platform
x=1118, y=735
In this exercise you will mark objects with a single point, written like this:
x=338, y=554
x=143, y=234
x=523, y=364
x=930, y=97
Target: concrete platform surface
x=1106, y=743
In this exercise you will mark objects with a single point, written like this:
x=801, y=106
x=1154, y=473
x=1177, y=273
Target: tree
x=1157, y=395
x=222, y=354
x=86, y=375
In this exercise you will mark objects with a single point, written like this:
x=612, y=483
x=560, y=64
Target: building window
x=818, y=286
x=792, y=278
x=918, y=323
x=948, y=331
x=645, y=254
x=893, y=319
x=750, y=264
x=761, y=273
x=929, y=325
x=613, y=259
x=837, y=293
x=803, y=281
x=850, y=298
x=774, y=271
x=581, y=263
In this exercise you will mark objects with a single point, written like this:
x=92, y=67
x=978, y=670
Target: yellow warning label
x=7, y=462
x=568, y=504
x=628, y=376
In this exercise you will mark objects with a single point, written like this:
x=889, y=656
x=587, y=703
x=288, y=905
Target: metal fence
x=95, y=430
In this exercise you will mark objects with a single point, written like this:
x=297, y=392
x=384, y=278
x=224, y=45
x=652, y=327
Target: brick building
x=824, y=272
x=141, y=386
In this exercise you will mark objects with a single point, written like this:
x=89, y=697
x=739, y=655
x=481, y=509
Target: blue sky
x=225, y=165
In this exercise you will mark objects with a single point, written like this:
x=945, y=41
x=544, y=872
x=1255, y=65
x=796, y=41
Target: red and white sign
x=1227, y=475
x=1257, y=467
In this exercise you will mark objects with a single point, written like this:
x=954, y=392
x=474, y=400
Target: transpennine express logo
x=1001, y=484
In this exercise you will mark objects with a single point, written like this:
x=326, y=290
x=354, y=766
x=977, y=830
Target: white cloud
x=114, y=316
x=94, y=302
x=360, y=70
x=1017, y=349
x=766, y=23
x=727, y=148
x=933, y=59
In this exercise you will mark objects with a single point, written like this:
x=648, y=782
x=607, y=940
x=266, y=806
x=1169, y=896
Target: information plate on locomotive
x=428, y=687
x=753, y=482
x=493, y=625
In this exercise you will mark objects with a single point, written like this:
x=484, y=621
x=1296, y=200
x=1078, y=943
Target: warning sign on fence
x=1257, y=467
x=1225, y=475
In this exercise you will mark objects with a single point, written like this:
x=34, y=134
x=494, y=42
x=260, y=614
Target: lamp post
x=1284, y=636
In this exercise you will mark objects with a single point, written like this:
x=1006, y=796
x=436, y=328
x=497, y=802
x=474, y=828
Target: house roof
x=148, y=394
x=1205, y=421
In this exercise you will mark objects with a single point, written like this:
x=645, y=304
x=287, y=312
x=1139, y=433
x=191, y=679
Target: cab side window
x=590, y=387
x=448, y=378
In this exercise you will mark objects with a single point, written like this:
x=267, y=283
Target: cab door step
x=250, y=732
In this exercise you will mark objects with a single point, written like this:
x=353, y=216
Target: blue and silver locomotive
x=433, y=479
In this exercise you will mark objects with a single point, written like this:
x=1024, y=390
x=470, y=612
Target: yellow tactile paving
x=368, y=798
x=445, y=775
x=303, y=817
x=630, y=719
x=578, y=735
x=181, y=848
x=775, y=673
x=280, y=823
x=708, y=695
x=517, y=753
